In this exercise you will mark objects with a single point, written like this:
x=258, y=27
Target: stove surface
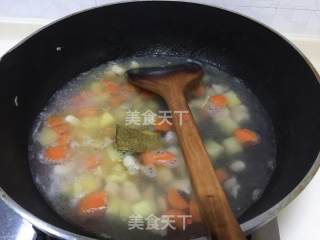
x=13, y=227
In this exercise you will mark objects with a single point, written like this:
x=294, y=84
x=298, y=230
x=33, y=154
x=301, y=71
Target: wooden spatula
x=172, y=83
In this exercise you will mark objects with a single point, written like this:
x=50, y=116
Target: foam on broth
x=133, y=187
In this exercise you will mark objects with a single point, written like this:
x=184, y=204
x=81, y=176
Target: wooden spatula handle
x=214, y=207
x=171, y=83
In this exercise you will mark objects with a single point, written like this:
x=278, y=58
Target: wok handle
x=214, y=206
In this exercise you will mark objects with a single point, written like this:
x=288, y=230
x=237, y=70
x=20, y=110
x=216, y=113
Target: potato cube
x=232, y=146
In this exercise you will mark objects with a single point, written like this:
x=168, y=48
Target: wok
x=279, y=75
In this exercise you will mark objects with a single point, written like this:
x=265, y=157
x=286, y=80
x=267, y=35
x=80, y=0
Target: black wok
x=282, y=79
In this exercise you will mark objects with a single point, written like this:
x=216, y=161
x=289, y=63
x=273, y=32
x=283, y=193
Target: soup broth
x=105, y=155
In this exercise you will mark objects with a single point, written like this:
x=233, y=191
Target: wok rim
x=248, y=226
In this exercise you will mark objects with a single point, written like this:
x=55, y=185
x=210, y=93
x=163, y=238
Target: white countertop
x=297, y=221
